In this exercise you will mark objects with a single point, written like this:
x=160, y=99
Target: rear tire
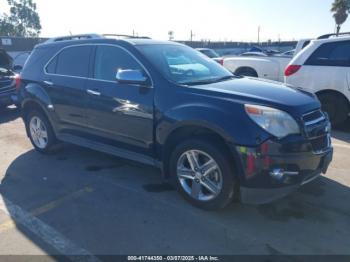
x=210, y=184
x=249, y=72
x=335, y=106
x=40, y=132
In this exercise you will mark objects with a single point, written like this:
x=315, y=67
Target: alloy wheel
x=38, y=132
x=199, y=175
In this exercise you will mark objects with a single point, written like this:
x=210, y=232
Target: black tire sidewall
x=339, y=105
x=246, y=73
x=50, y=134
x=229, y=182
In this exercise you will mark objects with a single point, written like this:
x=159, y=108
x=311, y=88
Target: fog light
x=280, y=174
x=277, y=174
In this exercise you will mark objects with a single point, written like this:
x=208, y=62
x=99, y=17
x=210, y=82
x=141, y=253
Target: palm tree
x=340, y=10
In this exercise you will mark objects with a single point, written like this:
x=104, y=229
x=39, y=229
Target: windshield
x=184, y=65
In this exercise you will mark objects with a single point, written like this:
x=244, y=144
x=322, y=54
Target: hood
x=265, y=92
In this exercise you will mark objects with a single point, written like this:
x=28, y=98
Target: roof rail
x=73, y=37
x=91, y=36
x=330, y=35
x=126, y=36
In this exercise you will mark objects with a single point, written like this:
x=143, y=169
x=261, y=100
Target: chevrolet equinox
x=216, y=136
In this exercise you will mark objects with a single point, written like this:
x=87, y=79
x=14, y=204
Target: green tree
x=23, y=19
x=340, y=10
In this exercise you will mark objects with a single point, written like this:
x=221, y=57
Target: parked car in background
x=253, y=54
x=263, y=65
x=211, y=54
x=302, y=43
x=216, y=136
x=289, y=53
x=323, y=68
x=19, y=60
x=8, y=80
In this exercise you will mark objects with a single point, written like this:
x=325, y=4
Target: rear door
x=119, y=114
x=66, y=76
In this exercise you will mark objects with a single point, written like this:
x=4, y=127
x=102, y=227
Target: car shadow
x=123, y=211
x=9, y=114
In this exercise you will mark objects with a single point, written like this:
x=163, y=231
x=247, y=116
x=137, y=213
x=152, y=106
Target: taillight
x=221, y=61
x=18, y=81
x=291, y=70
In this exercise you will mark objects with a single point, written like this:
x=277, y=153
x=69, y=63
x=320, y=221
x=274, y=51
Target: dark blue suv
x=217, y=136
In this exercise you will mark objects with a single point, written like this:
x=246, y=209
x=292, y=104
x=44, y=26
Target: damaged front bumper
x=277, y=168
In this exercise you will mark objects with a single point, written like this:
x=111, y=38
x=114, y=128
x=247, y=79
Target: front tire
x=40, y=132
x=203, y=174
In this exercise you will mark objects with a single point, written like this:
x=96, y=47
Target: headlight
x=276, y=122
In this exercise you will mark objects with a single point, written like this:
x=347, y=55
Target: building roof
x=19, y=44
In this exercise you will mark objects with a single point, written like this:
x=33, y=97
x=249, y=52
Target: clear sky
x=236, y=20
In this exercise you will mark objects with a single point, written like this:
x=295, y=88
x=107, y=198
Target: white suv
x=323, y=68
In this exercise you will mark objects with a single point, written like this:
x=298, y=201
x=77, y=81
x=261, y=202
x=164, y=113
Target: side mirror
x=132, y=77
x=17, y=68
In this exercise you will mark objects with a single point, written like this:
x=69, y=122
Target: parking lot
x=83, y=202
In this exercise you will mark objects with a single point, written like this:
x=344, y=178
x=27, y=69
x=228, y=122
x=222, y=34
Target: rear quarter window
x=331, y=54
x=51, y=68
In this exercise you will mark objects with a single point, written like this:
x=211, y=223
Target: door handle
x=49, y=83
x=92, y=92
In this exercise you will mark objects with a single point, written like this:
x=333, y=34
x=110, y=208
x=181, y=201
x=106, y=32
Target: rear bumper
x=276, y=169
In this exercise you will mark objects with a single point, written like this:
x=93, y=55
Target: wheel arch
x=199, y=131
x=30, y=105
x=246, y=68
x=334, y=92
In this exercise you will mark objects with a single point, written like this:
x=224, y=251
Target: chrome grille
x=317, y=130
x=314, y=117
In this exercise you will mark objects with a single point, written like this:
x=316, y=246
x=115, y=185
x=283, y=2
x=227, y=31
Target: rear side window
x=110, y=59
x=331, y=54
x=72, y=61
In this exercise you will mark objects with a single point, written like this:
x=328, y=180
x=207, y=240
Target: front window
x=184, y=65
x=109, y=59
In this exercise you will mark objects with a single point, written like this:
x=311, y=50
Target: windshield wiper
x=209, y=81
x=221, y=79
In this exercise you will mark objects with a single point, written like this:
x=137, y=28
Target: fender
x=34, y=93
x=226, y=121
x=37, y=93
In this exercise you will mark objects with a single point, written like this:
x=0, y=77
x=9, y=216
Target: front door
x=119, y=114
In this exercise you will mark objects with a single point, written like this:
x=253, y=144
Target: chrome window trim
x=88, y=78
